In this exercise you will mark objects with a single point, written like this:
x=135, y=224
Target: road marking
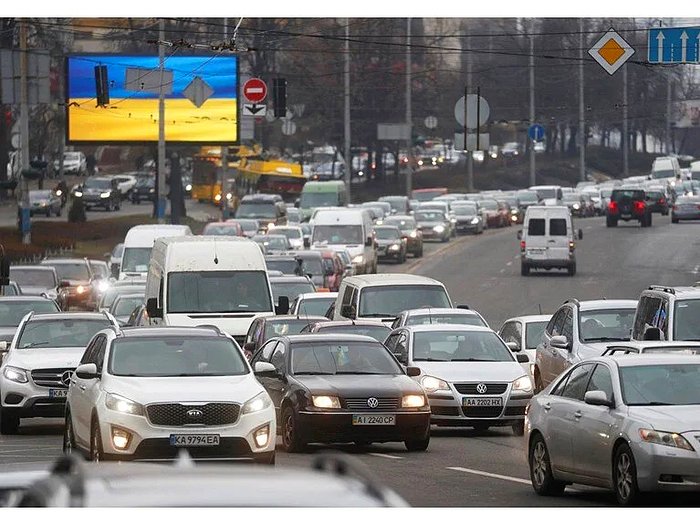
x=388, y=456
x=516, y=257
x=16, y=450
x=491, y=475
x=503, y=270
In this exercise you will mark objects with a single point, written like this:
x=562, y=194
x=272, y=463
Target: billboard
x=201, y=99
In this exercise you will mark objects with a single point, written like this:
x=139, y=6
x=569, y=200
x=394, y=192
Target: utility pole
x=532, y=101
x=24, y=136
x=581, y=113
x=470, y=154
x=409, y=118
x=348, y=153
x=160, y=207
x=625, y=129
x=669, y=92
x=224, y=158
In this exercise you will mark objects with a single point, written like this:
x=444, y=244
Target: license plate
x=482, y=401
x=58, y=392
x=626, y=215
x=371, y=419
x=194, y=440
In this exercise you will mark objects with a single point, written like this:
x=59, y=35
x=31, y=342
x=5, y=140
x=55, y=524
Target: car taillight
x=612, y=207
x=639, y=206
x=662, y=201
x=675, y=207
x=572, y=246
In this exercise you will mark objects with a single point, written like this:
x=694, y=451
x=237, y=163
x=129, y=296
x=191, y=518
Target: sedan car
x=422, y=316
x=467, y=217
x=293, y=233
x=433, y=224
x=148, y=393
x=312, y=303
x=231, y=229
x=376, y=329
x=124, y=305
x=14, y=308
x=273, y=243
x=264, y=328
x=613, y=422
x=525, y=333
x=491, y=213
x=45, y=202
x=409, y=231
x=36, y=280
x=144, y=190
x=330, y=388
x=390, y=244
x=249, y=226
x=100, y=192
x=686, y=207
x=470, y=375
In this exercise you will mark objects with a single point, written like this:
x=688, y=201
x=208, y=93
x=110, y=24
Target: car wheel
x=9, y=423
x=541, y=470
x=291, y=441
x=524, y=269
x=625, y=476
x=572, y=269
x=649, y=221
x=68, y=436
x=519, y=428
x=420, y=252
x=418, y=445
x=96, y=454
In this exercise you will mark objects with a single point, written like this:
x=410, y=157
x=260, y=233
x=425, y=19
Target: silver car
x=614, y=422
x=686, y=207
x=471, y=377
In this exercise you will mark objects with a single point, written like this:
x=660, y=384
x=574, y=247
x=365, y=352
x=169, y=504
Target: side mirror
x=580, y=234
x=559, y=341
x=413, y=371
x=282, y=307
x=87, y=371
x=307, y=242
x=348, y=311
x=652, y=334
x=152, y=308
x=463, y=307
x=520, y=235
x=264, y=369
x=598, y=398
x=249, y=346
x=513, y=346
x=522, y=358
x=369, y=241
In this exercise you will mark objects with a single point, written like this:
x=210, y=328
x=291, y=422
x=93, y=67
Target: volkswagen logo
x=65, y=377
x=372, y=402
x=481, y=388
x=195, y=413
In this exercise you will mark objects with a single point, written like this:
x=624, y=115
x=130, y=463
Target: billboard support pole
x=224, y=159
x=160, y=208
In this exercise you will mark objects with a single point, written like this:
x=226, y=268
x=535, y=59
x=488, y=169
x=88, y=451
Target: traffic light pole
x=160, y=207
x=224, y=158
x=23, y=198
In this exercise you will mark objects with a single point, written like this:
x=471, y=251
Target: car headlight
x=59, y=193
x=15, y=374
x=325, y=401
x=152, y=190
x=105, y=195
x=576, y=206
x=522, y=384
x=256, y=404
x=229, y=196
x=80, y=289
x=669, y=439
x=394, y=247
x=475, y=220
x=453, y=220
x=433, y=384
x=78, y=193
x=217, y=197
x=413, y=234
x=413, y=401
x=103, y=286
x=188, y=187
x=124, y=405
x=439, y=228
x=358, y=259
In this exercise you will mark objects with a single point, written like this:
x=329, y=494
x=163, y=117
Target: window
x=400, y=350
x=568, y=327
x=391, y=341
x=535, y=227
x=89, y=351
x=267, y=350
x=596, y=326
x=685, y=320
x=457, y=345
x=646, y=309
x=557, y=227
x=511, y=332
x=390, y=301
x=556, y=325
x=557, y=390
x=347, y=296
x=576, y=385
x=533, y=333
x=278, y=358
x=601, y=380
x=99, y=353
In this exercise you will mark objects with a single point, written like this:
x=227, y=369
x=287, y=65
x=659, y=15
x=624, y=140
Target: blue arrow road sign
x=536, y=132
x=673, y=45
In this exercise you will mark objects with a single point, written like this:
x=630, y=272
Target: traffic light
x=101, y=85
x=279, y=96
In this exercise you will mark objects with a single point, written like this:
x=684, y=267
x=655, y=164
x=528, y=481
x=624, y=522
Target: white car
x=36, y=371
x=525, y=332
x=147, y=393
x=294, y=234
x=125, y=183
x=73, y=162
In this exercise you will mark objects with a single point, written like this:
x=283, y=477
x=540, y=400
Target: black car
x=342, y=388
x=100, y=192
x=628, y=204
x=144, y=190
x=290, y=286
x=287, y=264
x=657, y=202
x=390, y=243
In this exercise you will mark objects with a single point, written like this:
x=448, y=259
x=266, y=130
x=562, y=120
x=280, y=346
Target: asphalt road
x=463, y=467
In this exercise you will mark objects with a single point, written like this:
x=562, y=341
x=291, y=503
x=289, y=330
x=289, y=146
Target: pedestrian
x=91, y=163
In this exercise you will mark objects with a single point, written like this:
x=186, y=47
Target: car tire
x=418, y=445
x=572, y=269
x=68, y=435
x=9, y=423
x=625, y=476
x=649, y=219
x=519, y=428
x=524, y=269
x=96, y=452
x=420, y=252
x=291, y=441
x=610, y=222
x=543, y=481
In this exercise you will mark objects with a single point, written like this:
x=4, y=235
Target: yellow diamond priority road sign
x=611, y=51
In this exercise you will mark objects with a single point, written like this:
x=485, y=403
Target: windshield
x=12, y=312
x=311, y=265
x=136, y=259
x=257, y=210
x=344, y=358
x=527, y=197
x=287, y=327
x=341, y=234
x=315, y=306
x=112, y=293
x=459, y=346
x=571, y=197
x=429, y=216
x=463, y=209
x=289, y=233
x=145, y=182
x=315, y=200
x=423, y=196
x=39, y=194
x=489, y=205
x=685, y=320
x=533, y=333
x=99, y=270
x=273, y=242
x=663, y=174
x=98, y=184
x=389, y=301
x=387, y=234
x=248, y=225
x=547, y=193
x=286, y=266
x=60, y=333
x=650, y=384
x=606, y=325
x=465, y=318
x=397, y=203
x=380, y=333
x=402, y=224
x=71, y=271
x=179, y=356
x=38, y=278
x=125, y=305
x=218, y=292
x=70, y=155
x=220, y=229
x=688, y=199
x=291, y=290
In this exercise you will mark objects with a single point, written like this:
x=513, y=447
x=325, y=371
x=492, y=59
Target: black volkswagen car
x=334, y=388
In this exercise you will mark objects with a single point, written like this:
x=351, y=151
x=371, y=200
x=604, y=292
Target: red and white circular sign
x=255, y=90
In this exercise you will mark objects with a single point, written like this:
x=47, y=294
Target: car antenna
x=216, y=257
x=430, y=315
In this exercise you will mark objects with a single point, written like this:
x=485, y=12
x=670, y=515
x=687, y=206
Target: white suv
x=36, y=371
x=147, y=393
x=667, y=313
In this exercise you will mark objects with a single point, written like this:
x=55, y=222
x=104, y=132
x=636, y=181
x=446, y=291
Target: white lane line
x=503, y=270
x=387, y=456
x=491, y=475
x=17, y=450
x=516, y=257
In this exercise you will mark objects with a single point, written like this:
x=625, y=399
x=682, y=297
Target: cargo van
x=347, y=228
x=547, y=239
x=665, y=168
x=209, y=280
x=549, y=195
x=139, y=243
x=317, y=194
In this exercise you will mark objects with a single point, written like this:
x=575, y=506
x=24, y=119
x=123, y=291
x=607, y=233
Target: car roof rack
x=661, y=288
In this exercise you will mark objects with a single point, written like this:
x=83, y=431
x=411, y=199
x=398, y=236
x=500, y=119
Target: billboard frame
x=69, y=142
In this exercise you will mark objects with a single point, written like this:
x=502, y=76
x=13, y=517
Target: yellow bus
x=206, y=170
x=269, y=176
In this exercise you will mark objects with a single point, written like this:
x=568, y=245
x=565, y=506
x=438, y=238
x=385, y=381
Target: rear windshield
x=557, y=227
x=535, y=227
x=635, y=195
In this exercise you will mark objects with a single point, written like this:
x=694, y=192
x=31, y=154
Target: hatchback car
x=148, y=393
x=433, y=224
x=390, y=244
x=45, y=202
x=76, y=283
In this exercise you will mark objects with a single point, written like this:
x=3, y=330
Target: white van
x=138, y=245
x=209, y=280
x=665, y=168
x=549, y=195
x=547, y=239
x=350, y=229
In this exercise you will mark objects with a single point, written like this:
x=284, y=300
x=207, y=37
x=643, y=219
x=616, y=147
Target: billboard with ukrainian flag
x=201, y=99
